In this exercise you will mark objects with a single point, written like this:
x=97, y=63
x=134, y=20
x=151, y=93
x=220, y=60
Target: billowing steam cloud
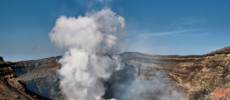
x=89, y=40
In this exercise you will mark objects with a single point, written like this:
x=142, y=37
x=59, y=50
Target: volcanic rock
x=1, y=58
x=204, y=77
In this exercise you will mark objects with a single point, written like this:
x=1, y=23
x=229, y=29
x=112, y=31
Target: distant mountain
x=197, y=76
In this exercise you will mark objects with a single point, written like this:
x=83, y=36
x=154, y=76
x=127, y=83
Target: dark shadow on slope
x=116, y=86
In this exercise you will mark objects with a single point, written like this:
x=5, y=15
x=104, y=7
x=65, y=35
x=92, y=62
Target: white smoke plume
x=154, y=89
x=88, y=40
x=145, y=83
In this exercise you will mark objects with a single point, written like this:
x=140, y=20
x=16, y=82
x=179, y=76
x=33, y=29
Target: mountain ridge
x=36, y=78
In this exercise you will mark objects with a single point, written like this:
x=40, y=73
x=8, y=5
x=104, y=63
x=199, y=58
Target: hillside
x=197, y=76
x=201, y=77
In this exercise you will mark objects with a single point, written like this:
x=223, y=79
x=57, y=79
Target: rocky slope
x=12, y=87
x=198, y=76
x=1, y=59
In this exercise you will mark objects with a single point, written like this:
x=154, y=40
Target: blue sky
x=152, y=26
